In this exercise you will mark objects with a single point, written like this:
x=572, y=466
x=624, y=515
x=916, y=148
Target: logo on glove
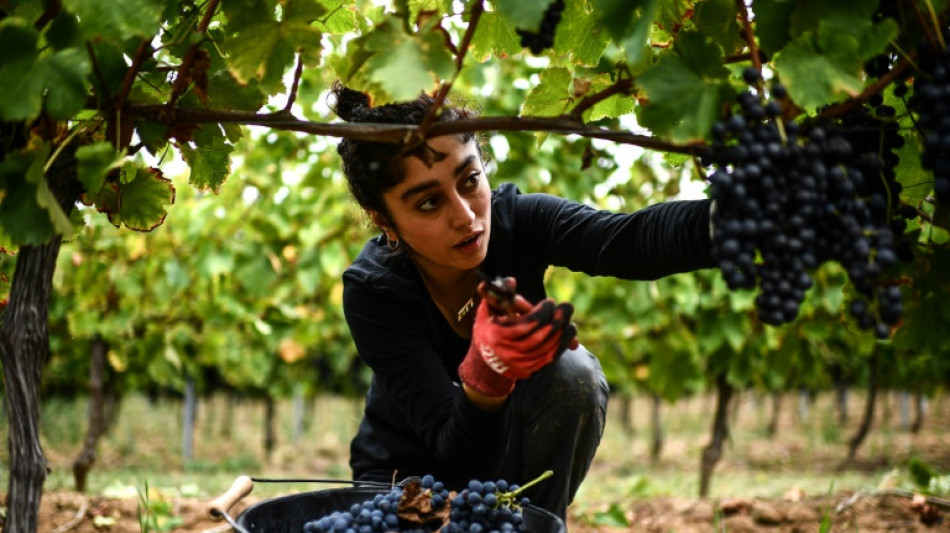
x=495, y=362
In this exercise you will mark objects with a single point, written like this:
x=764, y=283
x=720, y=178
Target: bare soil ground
x=64, y=511
x=752, y=465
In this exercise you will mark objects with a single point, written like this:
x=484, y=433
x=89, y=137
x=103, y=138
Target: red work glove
x=512, y=347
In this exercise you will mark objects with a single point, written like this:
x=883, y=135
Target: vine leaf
x=25, y=75
x=94, y=161
x=494, y=36
x=521, y=13
x=824, y=60
x=210, y=160
x=63, y=75
x=402, y=64
x=612, y=107
x=628, y=28
x=22, y=218
x=341, y=19
x=117, y=21
x=684, y=103
x=718, y=20
x=143, y=198
x=551, y=97
x=579, y=35
x=773, y=24
x=261, y=48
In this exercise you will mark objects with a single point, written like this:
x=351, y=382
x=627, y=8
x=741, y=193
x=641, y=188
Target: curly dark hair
x=372, y=168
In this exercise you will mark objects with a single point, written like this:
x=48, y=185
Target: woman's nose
x=462, y=212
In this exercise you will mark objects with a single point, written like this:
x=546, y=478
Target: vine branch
x=405, y=133
x=296, y=84
x=622, y=86
x=141, y=54
x=98, y=72
x=181, y=80
x=51, y=12
x=477, y=9
x=843, y=108
x=749, y=37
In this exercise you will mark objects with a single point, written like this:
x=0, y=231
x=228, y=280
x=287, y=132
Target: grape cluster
x=486, y=507
x=376, y=515
x=425, y=505
x=931, y=101
x=544, y=37
x=788, y=201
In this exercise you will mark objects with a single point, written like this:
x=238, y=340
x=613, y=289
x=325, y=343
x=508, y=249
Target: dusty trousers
x=557, y=420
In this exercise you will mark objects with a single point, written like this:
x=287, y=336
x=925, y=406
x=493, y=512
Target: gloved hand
x=506, y=348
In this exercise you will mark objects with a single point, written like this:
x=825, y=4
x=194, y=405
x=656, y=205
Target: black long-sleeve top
x=417, y=420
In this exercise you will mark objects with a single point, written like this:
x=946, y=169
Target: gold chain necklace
x=466, y=307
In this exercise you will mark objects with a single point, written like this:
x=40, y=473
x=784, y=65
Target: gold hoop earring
x=393, y=244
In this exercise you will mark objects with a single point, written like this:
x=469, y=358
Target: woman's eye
x=473, y=178
x=428, y=204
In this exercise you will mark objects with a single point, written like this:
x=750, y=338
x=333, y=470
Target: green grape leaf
x=22, y=219
x=524, y=14
x=261, y=48
x=25, y=76
x=552, y=96
x=144, y=192
x=628, y=22
x=494, y=36
x=110, y=61
x=615, y=106
x=917, y=183
x=832, y=40
x=682, y=104
x=435, y=8
x=225, y=92
x=22, y=94
x=671, y=14
x=94, y=161
x=340, y=19
x=64, y=76
x=812, y=78
x=872, y=39
x=210, y=163
x=403, y=65
x=578, y=35
x=773, y=24
x=64, y=31
x=45, y=197
x=154, y=135
x=717, y=20
x=701, y=55
x=117, y=20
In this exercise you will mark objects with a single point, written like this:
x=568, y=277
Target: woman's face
x=443, y=212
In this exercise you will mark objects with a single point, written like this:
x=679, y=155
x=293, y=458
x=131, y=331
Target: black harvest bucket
x=288, y=514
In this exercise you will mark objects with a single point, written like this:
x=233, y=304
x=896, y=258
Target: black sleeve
x=651, y=243
x=394, y=338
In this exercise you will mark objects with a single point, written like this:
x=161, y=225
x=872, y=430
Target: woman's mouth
x=471, y=243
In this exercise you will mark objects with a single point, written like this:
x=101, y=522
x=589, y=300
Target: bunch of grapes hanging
x=791, y=199
x=538, y=41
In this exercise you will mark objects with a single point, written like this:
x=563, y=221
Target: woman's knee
x=577, y=374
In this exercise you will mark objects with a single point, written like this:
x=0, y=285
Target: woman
x=458, y=391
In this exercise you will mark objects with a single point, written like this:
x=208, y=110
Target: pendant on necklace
x=463, y=312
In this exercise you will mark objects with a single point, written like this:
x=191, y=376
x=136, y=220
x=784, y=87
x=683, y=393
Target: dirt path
x=64, y=511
